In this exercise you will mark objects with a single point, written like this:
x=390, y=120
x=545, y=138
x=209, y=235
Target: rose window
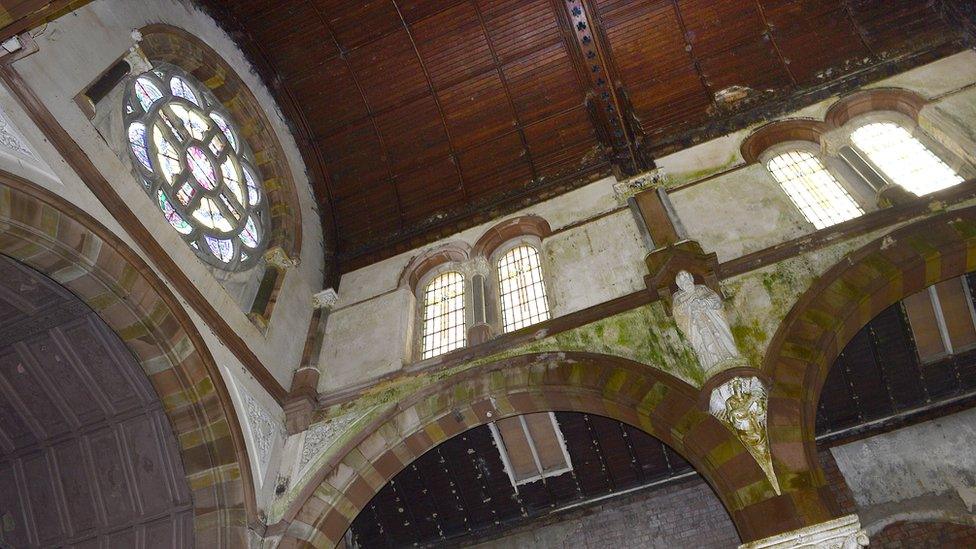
x=196, y=168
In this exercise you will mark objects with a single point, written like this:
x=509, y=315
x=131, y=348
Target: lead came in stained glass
x=201, y=167
x=181, y=88
x=137, y=143
x=174, y=218
x=195, y=168
x=147, y=93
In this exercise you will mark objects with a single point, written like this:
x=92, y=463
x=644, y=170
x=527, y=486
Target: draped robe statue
x=699, y=315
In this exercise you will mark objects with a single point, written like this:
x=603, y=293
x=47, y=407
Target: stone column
x=841, y=533
x=480, y=330
x=302, y=399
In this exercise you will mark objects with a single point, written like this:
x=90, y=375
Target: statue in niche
x=700, y=316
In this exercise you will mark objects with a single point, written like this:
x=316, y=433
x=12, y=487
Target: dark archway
x=45, y=232
x=87, y=454
x=632, y=393
x=825, y=319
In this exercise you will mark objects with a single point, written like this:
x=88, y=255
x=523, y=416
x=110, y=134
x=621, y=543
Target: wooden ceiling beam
x=437, y=103
x=607, y=113
x=17, y=16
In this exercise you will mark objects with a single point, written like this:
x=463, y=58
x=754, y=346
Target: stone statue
x=700, y=317
x=740, y=403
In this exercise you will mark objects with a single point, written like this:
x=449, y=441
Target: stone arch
x=795, y=129
x=651, y=400
x=831, y=312
x=54, y=237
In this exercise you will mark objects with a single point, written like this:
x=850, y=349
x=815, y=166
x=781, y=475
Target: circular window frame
x=235, y=149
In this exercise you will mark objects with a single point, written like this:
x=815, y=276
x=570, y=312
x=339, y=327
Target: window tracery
x=521, y=288
x=443, y=319
x=903, y=158
x=193, y=164
x=813, y=189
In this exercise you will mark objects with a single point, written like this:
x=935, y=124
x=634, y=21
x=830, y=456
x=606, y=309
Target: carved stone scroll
x=841, y=533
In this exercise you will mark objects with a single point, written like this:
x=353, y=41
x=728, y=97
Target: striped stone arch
x=52, y=236
x=836, y=307
x=661, y=405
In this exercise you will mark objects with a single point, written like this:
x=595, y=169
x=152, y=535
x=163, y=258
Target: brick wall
x=683, y=514
x=921, y=535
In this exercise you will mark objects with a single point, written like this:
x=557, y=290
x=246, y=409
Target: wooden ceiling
x=87, y=455
x=418, y=118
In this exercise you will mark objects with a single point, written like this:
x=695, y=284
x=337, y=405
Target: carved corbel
x=278, y=258
x=740, y=404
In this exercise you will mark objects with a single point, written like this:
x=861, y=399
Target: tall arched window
x=444, y=328
x=521, y=288
x=814, y=191
x=903, y=158
x=196, y=168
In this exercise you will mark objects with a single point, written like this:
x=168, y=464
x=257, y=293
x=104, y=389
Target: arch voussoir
x=648, y=399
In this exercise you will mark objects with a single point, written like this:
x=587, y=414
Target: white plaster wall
x=742, y=212
x=594, y=263
x=936, y=457
x=371, y=331
x=368, y=340
x=583, y=203
x=71, y=57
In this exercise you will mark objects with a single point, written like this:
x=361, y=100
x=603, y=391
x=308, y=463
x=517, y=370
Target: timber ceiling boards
x=87, y=454
x=419, y=118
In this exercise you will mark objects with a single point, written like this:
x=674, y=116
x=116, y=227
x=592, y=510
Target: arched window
x=444, y=328
x=521, y=288
x=196, y=168
x=814, y=191
x=903, y=158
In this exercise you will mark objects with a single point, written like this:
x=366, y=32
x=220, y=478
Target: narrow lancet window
x=444, y=328
x=903, y=158
x=521, y=288
x=814, y=191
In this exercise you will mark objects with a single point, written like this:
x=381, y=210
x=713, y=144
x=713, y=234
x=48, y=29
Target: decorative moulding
x=277, y=257
x=841, y=533
x=11, y=140
x=264, y=431
x=321, y=436
x=629, y=187
x=740, y=404
x=326, y=299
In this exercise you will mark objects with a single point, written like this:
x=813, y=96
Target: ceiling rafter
x=437, y=101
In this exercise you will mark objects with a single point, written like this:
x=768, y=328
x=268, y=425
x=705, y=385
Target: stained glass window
x=814, y=191
x=903, y=158
x=444, y=328
x=521, y=289
x=186, y=149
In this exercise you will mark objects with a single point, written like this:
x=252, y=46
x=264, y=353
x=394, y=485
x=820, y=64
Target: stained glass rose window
x=195, y=167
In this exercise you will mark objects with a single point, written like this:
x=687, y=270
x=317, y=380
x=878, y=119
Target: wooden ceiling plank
x=440, y=108
x=772, y=40
x=508, y=90
x=369, y=113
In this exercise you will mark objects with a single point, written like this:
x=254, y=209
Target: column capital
x=326, y=299
x=841, y=533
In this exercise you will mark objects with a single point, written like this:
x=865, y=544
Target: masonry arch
x=831, y=312
x=655, y=402
x=52, y=236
